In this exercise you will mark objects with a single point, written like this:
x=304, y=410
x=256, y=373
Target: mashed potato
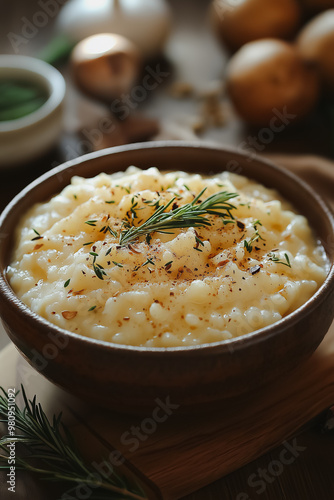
x=255, y=263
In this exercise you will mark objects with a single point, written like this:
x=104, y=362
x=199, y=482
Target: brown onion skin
x=248, y=20
x=270, y=74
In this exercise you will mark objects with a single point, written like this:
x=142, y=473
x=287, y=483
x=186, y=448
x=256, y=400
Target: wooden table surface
x=194, y=56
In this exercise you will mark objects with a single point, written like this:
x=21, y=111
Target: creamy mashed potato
x=254, y=263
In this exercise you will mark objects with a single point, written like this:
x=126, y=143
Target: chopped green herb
x=248, y=247
x=38, y=237
x=91, y=308
x=117, y=264
x=67, y=283
x=88, y=243
x=178, y=196
x=111, y=201
x=152, y=203
x=128, y=190
x=199, y=241
x=275, y=258
x=148, y=239
x=256, y=223
x=149, y=261
x=249, y=244
x=99, y=272
x=75, y=197
x=91, y=222
x=108, y=252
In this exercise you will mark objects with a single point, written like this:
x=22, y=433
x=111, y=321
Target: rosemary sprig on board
x=51, y=453
x=189, y=215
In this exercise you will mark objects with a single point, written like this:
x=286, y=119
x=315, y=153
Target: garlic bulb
x=145, y=22
x=105, y=66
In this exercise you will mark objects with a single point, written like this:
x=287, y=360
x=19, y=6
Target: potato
x=316, y=45
x=269, y=75
x=241, y=21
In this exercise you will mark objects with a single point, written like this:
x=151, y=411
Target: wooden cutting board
x=181, y=454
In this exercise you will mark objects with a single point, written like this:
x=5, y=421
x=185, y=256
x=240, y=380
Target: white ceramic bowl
x=26, y=138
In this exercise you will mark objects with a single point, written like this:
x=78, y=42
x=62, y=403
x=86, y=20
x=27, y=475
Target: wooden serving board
x=181, y=454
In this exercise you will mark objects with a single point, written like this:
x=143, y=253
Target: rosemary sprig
x=274, y=258
x=51, y=453
x=189, y=215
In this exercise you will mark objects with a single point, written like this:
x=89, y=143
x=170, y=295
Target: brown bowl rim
x=217, y=348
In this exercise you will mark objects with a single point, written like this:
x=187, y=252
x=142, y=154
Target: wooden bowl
x=129, y=378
